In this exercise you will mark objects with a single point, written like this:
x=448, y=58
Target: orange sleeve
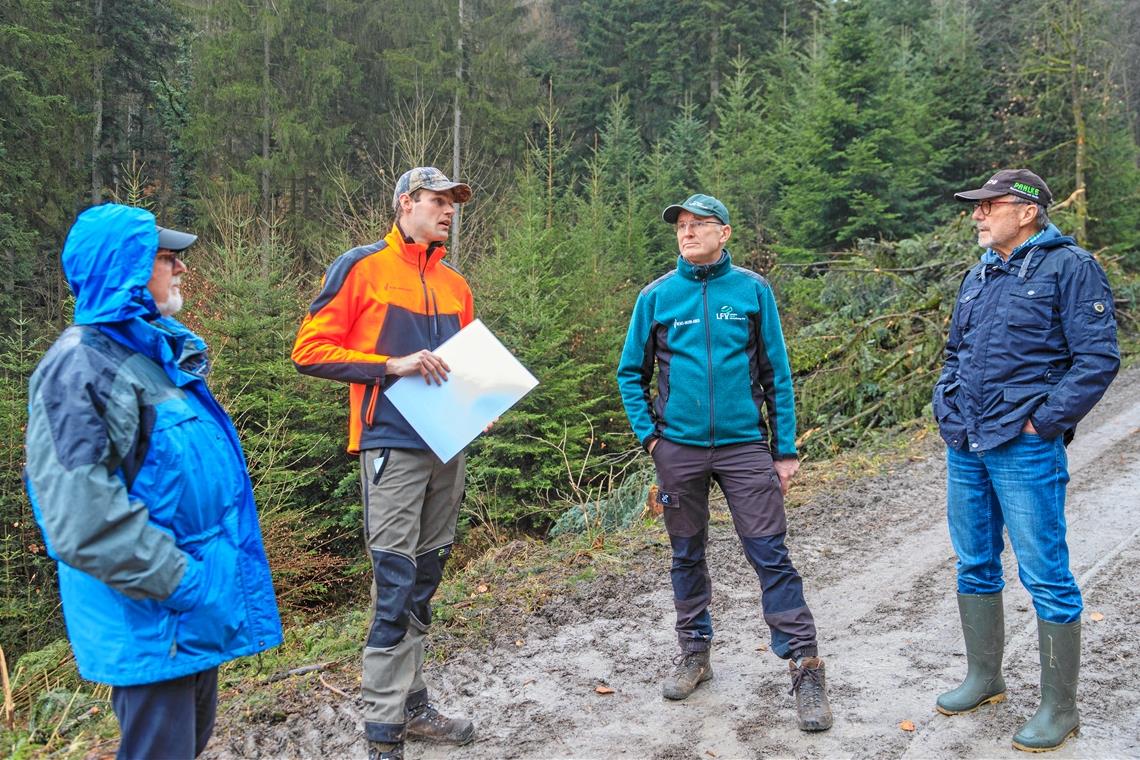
x=323, y=347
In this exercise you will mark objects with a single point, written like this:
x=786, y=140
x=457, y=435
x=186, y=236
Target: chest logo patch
x=727, y=312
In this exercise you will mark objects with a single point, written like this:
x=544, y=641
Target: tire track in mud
x=879, y=576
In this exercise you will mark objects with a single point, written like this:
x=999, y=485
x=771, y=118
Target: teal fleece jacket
x=713, y=333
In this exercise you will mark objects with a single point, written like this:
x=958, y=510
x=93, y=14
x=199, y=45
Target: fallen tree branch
x=332, y=688
x=300, y=671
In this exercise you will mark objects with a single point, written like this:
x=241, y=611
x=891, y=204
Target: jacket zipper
x=435, y=316
x=708, y=351
x=427, y=305
x=370, y=409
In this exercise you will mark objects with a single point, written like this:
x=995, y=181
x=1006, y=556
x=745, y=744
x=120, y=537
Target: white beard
x=173, y=303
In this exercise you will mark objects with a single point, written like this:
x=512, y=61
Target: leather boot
x=809, y=684
x=426, y=722
x=983, y=627
x=1056, y=718
x=692, y=669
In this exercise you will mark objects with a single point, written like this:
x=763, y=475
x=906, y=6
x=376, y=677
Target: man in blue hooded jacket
x=724, y=411
x=138, y=481
x=1032, y=348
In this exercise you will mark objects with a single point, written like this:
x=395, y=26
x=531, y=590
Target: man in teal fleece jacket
x=724, y=410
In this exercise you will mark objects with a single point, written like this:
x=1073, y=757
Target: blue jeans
x=1019, y=485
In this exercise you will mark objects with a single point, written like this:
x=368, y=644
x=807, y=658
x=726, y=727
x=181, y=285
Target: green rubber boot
x=983, y=627
x=1056, y=718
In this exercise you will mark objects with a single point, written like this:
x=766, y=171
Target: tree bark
x=265, y=82
x=1080, y=158
x=455, y=224
x=97, y=109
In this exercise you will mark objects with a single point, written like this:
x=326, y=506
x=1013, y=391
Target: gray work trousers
x=411, y=505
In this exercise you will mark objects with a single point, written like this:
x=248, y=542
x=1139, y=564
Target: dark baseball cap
x=430, y=178
x=1020, y=182
x=701, y=205
x=175, y=240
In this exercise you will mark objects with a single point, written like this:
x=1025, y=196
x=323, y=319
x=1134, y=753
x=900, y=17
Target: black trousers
x=168, y=720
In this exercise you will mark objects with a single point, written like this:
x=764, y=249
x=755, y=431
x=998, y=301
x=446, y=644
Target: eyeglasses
x=170, y=257
x=987, y=206
x=683, y=227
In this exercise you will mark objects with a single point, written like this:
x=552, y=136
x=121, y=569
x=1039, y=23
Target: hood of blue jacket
x=108, y=259
x=1050, y=237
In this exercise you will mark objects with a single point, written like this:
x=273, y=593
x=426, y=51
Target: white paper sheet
x=485, y=381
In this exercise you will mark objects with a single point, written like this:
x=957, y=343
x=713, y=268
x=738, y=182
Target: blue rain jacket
x=1031, y=338
x=137, y=477
x=713, y=333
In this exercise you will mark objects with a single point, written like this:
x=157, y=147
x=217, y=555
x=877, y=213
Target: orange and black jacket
x=391, y=298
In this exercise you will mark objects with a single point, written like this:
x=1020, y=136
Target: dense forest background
x=835, y=131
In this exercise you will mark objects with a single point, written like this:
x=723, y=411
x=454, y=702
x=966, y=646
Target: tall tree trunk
x=97, y=109
x=455, y=134
x=265, y=126
x=1080, y=157
x=714, y=74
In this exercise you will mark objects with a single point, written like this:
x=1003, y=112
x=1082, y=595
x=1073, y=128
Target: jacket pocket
x=1023, y=398
x=942, y=402
x=963, y=309
x=1031, y=305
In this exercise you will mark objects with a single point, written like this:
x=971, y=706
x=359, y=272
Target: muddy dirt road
x=879, y=575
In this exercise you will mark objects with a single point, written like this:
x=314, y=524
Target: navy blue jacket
x=1032, y=338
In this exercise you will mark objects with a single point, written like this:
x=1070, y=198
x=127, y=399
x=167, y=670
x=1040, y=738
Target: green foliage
x=607, y=511
x=29, y=602
x=247, y=308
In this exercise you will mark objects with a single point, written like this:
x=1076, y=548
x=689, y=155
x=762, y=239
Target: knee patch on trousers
x=429, y=573
x=689, y=574
x=394, y=576
x=782, y=586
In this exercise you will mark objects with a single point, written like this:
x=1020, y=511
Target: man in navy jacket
x=1032, y=348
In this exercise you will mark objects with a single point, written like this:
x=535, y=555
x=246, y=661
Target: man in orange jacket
x=381, y=311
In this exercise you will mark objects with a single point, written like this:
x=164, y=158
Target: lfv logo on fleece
x=727, y=312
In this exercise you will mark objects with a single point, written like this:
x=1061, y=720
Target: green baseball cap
x=701, y=205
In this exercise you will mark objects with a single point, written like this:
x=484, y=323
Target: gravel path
x=879, y=575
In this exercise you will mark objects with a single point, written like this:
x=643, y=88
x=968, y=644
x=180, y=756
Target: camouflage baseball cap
x=430, y=178
x=701, y=205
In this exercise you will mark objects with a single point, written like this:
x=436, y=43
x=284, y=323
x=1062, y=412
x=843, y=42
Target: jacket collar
x=702, y=272
x=421, y=256
x=1025, y=254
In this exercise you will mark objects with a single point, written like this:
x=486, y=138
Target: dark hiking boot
x=426, y=722
x=692, y=669
x=809, y=684
x=382, y=751
x=1056, y=718
x=983, y=628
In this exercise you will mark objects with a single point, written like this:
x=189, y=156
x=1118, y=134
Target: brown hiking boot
x=810, y=688
x=692, y=669
x=426, y=722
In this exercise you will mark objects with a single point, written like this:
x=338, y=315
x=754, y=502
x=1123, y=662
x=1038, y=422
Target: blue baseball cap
x=701, y=205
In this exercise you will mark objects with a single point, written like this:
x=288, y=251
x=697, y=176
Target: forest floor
x=879, y=576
